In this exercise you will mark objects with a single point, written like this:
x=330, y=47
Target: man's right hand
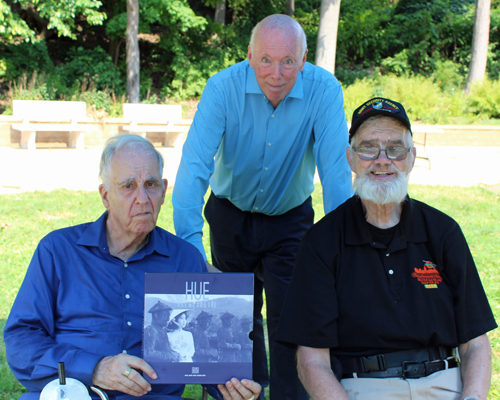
x=111, y=374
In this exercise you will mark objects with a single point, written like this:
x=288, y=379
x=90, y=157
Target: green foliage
x=32, y=87
x=12, y=26
x=91, y=65
x=59, y=15
x=25, y=58
x=484, y=100
x=430, y=29
x=362, y=41
x=356, y=94
x=99, y=99
x=424, y=99
x=448, y=75
x=181, y=47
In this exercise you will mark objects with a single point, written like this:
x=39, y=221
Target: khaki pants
x=442, y=385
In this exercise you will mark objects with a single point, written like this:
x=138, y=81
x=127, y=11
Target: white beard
x=381, y=192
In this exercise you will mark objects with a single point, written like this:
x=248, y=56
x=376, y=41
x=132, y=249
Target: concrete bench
x=54, y=117
x=161, y=119
x=424, y=130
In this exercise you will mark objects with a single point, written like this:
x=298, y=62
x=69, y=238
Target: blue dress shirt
x=78, y=304
x=260, y=158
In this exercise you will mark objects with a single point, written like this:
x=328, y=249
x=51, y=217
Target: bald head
x=282, y=23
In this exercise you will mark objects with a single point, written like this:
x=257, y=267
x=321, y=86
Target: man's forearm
x=476, y=367
x=316, y=375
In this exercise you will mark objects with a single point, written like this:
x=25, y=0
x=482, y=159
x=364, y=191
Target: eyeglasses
x=370, y=153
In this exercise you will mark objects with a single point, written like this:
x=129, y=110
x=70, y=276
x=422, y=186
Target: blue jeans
x=266, y=245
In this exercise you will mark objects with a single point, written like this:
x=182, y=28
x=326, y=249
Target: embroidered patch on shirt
x=428, y=276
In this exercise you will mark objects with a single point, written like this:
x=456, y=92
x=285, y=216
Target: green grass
x=25, y=218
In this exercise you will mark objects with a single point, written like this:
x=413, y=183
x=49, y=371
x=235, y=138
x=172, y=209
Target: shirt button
x=125, y=265
x=266, y=169
x=256, y=208
x=262, y=190
x=129, y=323
x=127, y=296
x=272, y=115
x=124, y=351
x=387, y=255
x=269, y=144
x=391, y=272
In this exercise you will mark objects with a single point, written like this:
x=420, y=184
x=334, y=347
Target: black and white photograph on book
x=198, y=327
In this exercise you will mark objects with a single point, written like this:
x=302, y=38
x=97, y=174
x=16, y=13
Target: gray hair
x=284, y=23
x=374, y=121
x=115, y=143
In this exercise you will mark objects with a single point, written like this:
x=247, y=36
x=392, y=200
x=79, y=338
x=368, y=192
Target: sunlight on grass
x=25, y=218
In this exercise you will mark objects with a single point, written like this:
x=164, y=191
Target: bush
x=484, y=100
x=24, y=58
x=356, y=94
x=423, y=99
x=448, y=75
x=84, y=65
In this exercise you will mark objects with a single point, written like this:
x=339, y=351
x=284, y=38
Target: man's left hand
x=122, y=372
x=244, y=390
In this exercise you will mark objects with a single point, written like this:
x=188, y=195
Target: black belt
x=405, y=364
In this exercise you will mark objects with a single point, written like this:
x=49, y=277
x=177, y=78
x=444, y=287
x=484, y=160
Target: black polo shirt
x=424, y=291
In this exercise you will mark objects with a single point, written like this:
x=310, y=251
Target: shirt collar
x=95, y=236
x=252, y=86
x=412, y=225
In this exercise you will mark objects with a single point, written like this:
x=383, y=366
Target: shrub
x=356, y=94
x=422, y=98
x=24, y=58
x=448, y=75
x=81, y=65
x=484, y=100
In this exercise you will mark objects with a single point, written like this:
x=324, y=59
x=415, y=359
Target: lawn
x=25, y=218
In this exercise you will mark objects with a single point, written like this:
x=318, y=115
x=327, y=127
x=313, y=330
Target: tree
x=327, y=34
x=480, y=39
x=290, y=7
x=220, y=12
x=133, y=67
x=45, y=15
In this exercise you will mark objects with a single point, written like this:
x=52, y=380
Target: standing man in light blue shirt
x=261, y=128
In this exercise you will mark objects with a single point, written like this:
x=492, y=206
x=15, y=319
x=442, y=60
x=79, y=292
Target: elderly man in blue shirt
x=261, y=128
x=82, y=299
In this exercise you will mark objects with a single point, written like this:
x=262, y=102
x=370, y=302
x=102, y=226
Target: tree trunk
x=133, y=67
x=220, y=12
x=290, y=7
x=327, y=34
x=480, y=39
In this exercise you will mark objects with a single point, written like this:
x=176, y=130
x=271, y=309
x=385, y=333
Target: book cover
x=197, y=326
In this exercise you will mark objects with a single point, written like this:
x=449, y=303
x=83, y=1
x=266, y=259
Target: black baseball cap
x=378, y=106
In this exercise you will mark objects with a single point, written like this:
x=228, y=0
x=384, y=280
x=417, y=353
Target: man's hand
x=111, y=373
x=244, y=390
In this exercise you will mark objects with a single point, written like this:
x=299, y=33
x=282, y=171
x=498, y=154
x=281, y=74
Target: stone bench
x=56, y=117
x=161, y=119
x=424, y=130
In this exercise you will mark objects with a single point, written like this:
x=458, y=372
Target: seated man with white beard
x=384, y=288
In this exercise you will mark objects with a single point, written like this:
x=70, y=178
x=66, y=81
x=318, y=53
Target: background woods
x=78, y=50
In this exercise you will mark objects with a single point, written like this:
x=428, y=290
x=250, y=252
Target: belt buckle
x=373, y=363
x=404, y=370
